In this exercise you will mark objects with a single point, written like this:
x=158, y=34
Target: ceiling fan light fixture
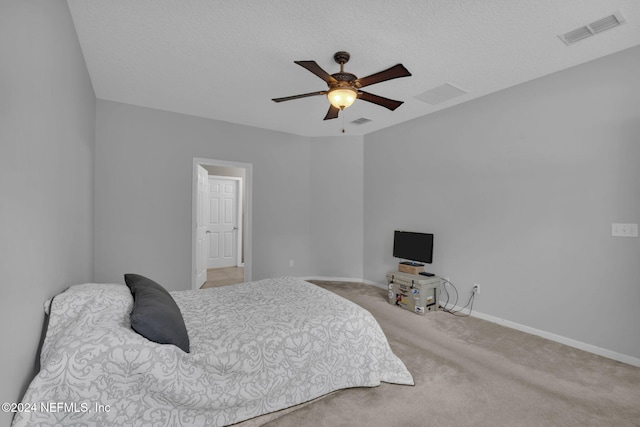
x=342, y=97
x=344, y=88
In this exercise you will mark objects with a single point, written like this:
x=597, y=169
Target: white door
x=202, y=220
x=223, y=222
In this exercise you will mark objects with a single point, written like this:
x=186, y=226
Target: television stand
x=416, y=264
x=413, y=292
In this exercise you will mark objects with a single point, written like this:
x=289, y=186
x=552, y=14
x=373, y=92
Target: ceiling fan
x=344, y=88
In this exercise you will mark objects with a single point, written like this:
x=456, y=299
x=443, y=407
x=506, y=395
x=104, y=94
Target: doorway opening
x=221, y=222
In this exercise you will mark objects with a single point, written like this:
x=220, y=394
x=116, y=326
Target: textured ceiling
x=225, y=60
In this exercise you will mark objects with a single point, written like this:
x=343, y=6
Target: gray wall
x=225, y=171
x=307, y=195
x=520, y=189
x=47, y=118
x=336, y=206
x=144, y=161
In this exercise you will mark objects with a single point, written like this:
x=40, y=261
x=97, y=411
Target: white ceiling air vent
x=361, y=121
x=440, y=94
x=594, y=28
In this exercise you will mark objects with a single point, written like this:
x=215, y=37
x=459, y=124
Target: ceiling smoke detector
x=594, y=28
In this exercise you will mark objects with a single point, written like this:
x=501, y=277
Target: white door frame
x=202, y=247
x=239, y=209
x=247, y=232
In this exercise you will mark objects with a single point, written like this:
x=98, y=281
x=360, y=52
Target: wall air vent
x=595, y=27
x=361, y=121
x=440, y=94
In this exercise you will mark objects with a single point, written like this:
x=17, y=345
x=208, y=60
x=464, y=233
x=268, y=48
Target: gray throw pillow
x=155, y=314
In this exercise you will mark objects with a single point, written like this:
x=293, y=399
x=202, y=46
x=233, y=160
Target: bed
x=253, y=348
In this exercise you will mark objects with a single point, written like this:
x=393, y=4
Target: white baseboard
x=560, y=339
x=630, y=360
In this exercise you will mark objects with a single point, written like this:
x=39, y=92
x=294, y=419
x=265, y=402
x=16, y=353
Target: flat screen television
x=414, y=247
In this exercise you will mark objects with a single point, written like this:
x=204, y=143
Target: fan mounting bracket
x=341, y=57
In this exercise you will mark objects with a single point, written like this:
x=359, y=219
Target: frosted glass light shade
x=342, y=97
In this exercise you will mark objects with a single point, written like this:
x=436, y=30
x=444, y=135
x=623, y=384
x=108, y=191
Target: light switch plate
x=624, y=230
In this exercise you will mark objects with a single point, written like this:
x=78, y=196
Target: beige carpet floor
x=469, y=372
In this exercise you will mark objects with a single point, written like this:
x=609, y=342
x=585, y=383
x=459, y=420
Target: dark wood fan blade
x=385, y=102
x=388, y=74
x=317, y=70
x=332, y=113
x=304, y=95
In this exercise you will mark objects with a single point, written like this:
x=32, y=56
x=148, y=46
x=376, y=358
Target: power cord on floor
x=451, y=310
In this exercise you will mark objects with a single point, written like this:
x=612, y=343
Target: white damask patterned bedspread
x=255, y=348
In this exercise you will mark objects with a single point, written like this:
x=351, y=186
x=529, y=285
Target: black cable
x=471, y=299
x=451, y=310
x=448, y=296
x=444, y=288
